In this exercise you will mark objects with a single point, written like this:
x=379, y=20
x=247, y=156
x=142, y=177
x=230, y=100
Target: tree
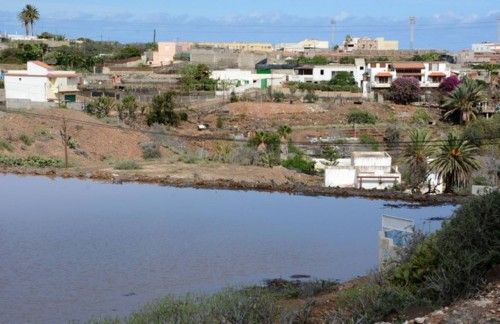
x=28, y=16
x=416, y=155
x=162, y=110
x=455, y=161
x=128, y=51
x=330, y=153
x=100, y=107
x=449, y=84
x=405, y=90
x=129, y=105
x=343, y=78
x=465, y=100
x=197, y=77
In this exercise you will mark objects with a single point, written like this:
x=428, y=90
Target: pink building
x=166, y=53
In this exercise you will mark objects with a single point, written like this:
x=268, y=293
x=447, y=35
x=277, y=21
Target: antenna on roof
x=412, y=31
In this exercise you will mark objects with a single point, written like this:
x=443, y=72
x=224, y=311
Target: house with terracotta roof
x=430, y=74
x=40, y=85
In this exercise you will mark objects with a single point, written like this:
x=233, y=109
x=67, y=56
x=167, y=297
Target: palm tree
x=455, y=161
x=416, y=155
x=25, y=19
x=28, y=16
x=465, y=99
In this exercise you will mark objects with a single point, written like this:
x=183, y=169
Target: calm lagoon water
x=76, y=250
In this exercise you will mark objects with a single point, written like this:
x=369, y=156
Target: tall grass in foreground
x=256, y=304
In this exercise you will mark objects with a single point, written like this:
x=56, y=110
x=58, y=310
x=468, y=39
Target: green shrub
x=369, y=140
x=25, y=139
x=421, y=117
x=228, y=306
x=299, y=162
x=480, y=131
x=34, y=161
x=453, y=262
x=4, y=145
x=371, y=302
x=392, y=136
x=278, y=96
x=183, y=116
x=73, y=143
x=126, y=165
x=356, y=116
x=222, y=152
x=233, y=97
x=162, y=110
x=310, y=97
x=2, y=84
x=150, y=151
x=219, y=123
x=322, y=86
x=100, y=107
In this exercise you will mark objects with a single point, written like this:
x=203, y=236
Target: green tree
x=100, y=107
x=129, y=105
x=330, y=153
x=31, y=51
x=455, y=161
x=196, y=77
x=343, y=78
x=416, y=155
x=465, y=100
x=28, y=16
x=162, y=110
x=128, y=51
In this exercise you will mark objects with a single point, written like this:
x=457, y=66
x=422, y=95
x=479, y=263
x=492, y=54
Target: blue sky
x=451, y=24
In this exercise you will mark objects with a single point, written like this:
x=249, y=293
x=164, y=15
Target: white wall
x=343, y=177
x=26, y=87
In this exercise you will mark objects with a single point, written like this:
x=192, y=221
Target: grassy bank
x=256, y=304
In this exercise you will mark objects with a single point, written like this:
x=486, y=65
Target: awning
x=383, y=74
x=437, y=74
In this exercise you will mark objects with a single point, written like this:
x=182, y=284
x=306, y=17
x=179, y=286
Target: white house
x=367, y=170
x=38, y=85
x=486, y=47
x=429, y=74
x=240, y=80
x=318, y=73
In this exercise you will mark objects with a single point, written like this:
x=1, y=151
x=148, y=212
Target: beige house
x=166, y=53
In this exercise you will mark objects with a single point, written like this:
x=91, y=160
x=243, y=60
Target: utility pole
x=154, y=36
x=412, y=31
x=498, y=29
x=334, y=27
x=65, y=139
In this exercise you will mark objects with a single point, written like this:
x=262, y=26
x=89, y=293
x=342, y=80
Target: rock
x=420, y=320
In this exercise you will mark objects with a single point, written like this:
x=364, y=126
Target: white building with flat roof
x=303, y=46
x=366, y=170
x=39, y=83
x=241, y=80
x=319, y=73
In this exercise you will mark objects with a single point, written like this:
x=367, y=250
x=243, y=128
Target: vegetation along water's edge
x=116, y=176
x=451, y=275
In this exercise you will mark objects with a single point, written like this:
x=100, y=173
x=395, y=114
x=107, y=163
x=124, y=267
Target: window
x=383, y=79
x=322, y=72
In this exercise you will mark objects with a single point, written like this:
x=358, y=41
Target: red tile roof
x=437, y=74
x=409, y=65
x=384, y=74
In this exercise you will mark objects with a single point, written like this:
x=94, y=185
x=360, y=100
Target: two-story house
x=40, y=83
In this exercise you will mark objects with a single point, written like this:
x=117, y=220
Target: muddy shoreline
x=226, y=184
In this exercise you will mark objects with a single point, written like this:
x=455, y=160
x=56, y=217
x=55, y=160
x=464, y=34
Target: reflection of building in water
x=394, y=234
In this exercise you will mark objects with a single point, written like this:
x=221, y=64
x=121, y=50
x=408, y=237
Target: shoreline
x=119, y=177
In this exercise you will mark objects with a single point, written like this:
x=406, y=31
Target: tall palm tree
x=455, y=161
x=25, y=19
x=416, y=155
x=465, y=99
x=28, y=16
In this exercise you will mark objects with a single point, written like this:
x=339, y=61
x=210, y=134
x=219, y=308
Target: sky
x=442, y=24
